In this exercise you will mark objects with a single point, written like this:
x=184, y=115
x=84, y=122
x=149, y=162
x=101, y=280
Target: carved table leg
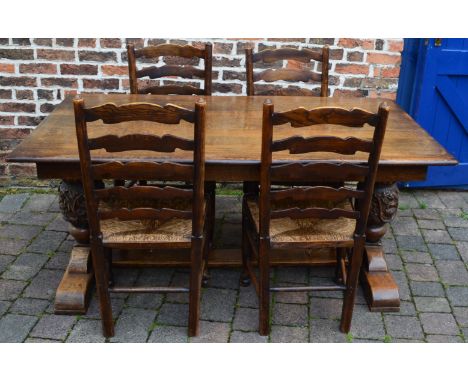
x=380, y=288
x=72, y=295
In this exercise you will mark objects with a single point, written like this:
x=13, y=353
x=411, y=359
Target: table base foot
x=380, y=288
x=73, y=292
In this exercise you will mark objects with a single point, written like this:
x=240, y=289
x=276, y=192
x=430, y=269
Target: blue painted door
x=433, y=89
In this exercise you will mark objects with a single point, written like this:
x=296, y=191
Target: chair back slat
x=186, y=51
x=143, y=192
x=299, y=145
x=314, y=213
x=162, y=215
x=167, y=143
x=272, y=203
x=302, y=117
x=143, y=171
x=297, y=171
x=301, y=194
x=269, y=56
x=271, y=75
x=170, y=50
x=171, y=70
x=138, y=111
x=171, y=89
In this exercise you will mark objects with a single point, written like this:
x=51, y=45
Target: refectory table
x=233, y=136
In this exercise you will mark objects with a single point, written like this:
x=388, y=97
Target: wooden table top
x=233, y=132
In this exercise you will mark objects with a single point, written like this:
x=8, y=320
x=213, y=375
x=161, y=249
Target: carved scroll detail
x=72, y=203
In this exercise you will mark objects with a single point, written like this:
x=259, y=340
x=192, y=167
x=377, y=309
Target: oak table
x=233, y=136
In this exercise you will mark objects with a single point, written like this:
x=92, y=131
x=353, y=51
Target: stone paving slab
x=426, y=248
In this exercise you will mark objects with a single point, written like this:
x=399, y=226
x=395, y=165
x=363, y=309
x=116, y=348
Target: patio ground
x=426, y=249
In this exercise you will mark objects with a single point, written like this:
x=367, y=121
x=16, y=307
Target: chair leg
x=351, y=286
x=340, y=255
x=264, y=287
x=195, y=287
x=212, y=214
x=102, y=287
x=108, y=252
x=245, y=279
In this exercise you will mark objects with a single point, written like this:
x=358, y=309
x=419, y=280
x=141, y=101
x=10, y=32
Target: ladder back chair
x=270, y=56
x=149, y=216
x=312, y=216
x=182, y=71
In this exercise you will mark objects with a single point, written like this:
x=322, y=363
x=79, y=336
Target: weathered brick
x=18, y=81
x=55, y=55
x=17, y=107
x=350, y=93
x=7, y=120
x=86, y=43
x=383, y=58
x=139, y=42
x=352, y=69
x=29, y=121
x=222, y=48
x=110, y=42
x=151, y=41
x=89, y=55
x=78, y=69
x=17, y=54
x=392, y=72
x=5, y=93
x=366, y=44
x=379, y=83
x=41, y=68
x=43, y=41
x=47, y=107
x=45, y=94
x=225, y=61
x=59, y=81
x=110, y=83
x=395, y=45
x=65, y=42
x=22, y=94
x=355, y=56
x=7, y=68
x=227, y=88
x=114, y=70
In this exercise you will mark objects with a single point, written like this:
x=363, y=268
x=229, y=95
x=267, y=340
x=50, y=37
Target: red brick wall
x=36, y=73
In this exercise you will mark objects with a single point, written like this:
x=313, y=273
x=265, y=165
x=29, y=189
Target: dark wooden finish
x=269, y=56
x=147, y=171
x=155, y=52
x=258, y=238
x=143, y=192
x=233, y=140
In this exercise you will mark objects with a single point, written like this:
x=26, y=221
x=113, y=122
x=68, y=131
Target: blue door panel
x=433, y=89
